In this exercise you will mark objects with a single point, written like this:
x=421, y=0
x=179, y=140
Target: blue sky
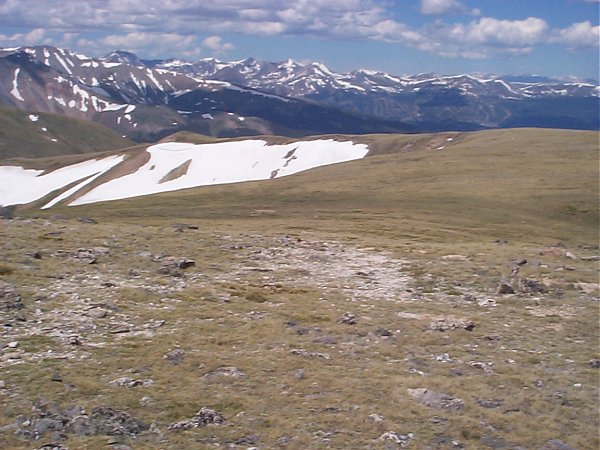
x=544, y=37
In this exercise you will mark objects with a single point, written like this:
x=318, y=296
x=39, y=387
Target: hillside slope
x=502, y=182
x=30, y=135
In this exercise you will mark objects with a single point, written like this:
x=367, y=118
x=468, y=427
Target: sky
x=557, y=38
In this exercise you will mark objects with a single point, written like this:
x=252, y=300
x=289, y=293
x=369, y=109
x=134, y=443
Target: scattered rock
x=570, y=255
x=444, y=357
x=52, y=446
x=113, y=422
x=450, y=323
x=56, y=377
x=83, y=255
x=489, y=404
x=130, y=382
x=119, y=329
x=587, y=288
x=555, y=252
x=180, y=227
x=487, y=302
x=382, y=332
x=377, y=418
x=400, y=439
x=48, y=417
x=97, y=313
x=223, y=372
x=299, y=374
x=455, y=258
x=556, y=444
x=9, y=298
x=493, y=442
x=326, y=340
x=305, y=353
x=435, y=399
x=175, y=356
x=590, y=258
x=594, y=363
x=348, y=319
x=202, y=418
x=173, y=266
x=505, y=289
x=85, y=219
x=529, y=286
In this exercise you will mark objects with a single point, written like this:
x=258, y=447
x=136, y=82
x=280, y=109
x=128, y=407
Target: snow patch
x=211, y=164
x=33, y=117
x=19, y=185
x=15, y=90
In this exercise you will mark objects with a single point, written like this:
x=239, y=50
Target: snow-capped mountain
x=145, y=99
x=145, y=102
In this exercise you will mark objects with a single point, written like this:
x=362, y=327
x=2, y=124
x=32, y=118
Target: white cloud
x=153, y=44
x=580, y=35
x=216, y=44
x=155, y=28
x=34, y=37
x=442, y=6
x=490, y=31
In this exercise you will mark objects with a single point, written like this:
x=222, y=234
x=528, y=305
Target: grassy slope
x=522, y=184
x=20, y=137
x=398, y=214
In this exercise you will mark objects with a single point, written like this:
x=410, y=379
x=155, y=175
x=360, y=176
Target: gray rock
x=556, y=444
x=7, y=212
x=505, y=289
x=9, y=298
x=56, y=377
x=493, y=442
x=202, y=418
x=223, y=372
x=450, y=323
x=175, y=356
x=46, y=424
x=85, y=219
x=530, y=286
x=348, y=319
x=113, y=422
x=594, y=363
x=302, y=352
x=401, y=439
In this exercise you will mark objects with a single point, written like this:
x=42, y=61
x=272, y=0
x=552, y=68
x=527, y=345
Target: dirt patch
x=177, y=172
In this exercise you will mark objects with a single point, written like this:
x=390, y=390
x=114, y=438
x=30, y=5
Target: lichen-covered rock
x=202, y=418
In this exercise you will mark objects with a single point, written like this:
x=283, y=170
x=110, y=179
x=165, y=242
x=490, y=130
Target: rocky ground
x=174, y=336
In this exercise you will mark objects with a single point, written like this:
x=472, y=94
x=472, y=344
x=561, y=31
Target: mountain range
x=145, y=100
